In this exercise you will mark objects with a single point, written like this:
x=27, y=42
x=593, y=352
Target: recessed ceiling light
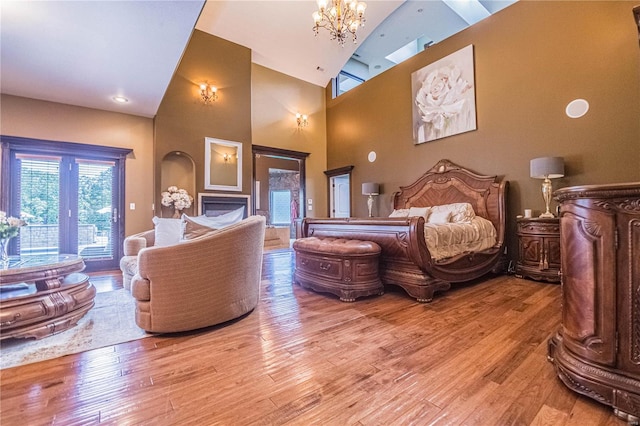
x=120, y=99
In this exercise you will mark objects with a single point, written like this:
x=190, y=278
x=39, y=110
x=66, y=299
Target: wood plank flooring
x=476, y=355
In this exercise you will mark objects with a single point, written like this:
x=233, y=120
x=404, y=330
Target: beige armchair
x=200, y=282
x=132, y=246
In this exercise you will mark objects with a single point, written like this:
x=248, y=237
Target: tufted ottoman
x=346, y=268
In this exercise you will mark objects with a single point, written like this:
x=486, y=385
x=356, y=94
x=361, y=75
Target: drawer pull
x=325, y=266
x=15, y=319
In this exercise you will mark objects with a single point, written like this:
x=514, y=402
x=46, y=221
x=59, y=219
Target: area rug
x=109, y=322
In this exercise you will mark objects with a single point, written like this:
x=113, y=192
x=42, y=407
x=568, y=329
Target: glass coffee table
x=43, y=295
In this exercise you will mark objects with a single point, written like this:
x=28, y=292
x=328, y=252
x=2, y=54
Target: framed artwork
x=222, y=165
x=444, y=98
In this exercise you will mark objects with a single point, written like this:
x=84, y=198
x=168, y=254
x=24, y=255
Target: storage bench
x=344, y=267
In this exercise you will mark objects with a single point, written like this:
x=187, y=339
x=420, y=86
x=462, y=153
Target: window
x=346, y=81
x=39, y=189
x=281, y=207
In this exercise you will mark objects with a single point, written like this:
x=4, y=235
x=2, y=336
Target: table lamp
x=370, y=189
x=547, y=168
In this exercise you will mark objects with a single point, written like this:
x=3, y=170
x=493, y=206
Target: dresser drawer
x=538, y=228
x=320, y=265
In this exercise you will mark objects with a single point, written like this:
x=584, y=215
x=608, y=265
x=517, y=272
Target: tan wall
x=184, y=121
x=531, y=59
x=36, y=119
x=276, y=98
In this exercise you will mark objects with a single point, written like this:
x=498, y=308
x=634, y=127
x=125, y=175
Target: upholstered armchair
x=200, y=282
x=132, y=246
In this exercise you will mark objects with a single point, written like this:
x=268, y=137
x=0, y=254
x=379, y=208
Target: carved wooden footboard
x=405, y=258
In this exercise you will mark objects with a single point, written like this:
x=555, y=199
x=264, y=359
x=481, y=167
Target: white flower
x=176, y=197
x=441, y=96
x=9, y=226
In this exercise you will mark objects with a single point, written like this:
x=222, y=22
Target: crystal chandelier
x=340, y=17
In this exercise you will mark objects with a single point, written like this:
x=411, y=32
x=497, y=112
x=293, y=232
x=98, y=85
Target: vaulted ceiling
x=86, y=53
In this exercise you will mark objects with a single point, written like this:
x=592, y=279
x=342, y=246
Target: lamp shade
x=370, y=188
x=547, y=167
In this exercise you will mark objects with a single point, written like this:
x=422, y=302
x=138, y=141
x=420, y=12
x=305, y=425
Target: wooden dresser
x=539, y=249
x=596, y=351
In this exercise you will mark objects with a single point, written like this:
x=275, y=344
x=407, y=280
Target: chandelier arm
x=340, y=18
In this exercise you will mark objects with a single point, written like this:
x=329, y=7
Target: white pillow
x=419, y=211
x=441, y=216
x=400, y=213
x=213, y=222
x=460, y=212
x=168, y=231
x=221, y=221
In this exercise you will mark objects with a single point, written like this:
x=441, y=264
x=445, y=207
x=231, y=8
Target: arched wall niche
x=178, y=169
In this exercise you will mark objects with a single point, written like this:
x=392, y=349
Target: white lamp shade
x=370, y=188
x=547, y=167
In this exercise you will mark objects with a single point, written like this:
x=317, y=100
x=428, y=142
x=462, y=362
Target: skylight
x=412, y=27
x=471, y=11
x=404, y=53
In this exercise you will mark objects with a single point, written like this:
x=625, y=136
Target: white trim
x=208, y=162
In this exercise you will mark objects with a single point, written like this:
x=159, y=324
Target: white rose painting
x=444, y=100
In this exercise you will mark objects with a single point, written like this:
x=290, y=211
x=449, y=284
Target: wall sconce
x=208, y=93
x=302, y=120
x=547, y=168
x=370, y=189
x=228, y=158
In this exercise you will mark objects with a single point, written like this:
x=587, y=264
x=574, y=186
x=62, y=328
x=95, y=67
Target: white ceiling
x=86, y=52
x=280, y=34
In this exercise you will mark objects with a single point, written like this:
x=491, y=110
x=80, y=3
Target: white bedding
x=449, y=239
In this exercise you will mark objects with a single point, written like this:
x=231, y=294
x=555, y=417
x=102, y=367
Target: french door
x=71, y=200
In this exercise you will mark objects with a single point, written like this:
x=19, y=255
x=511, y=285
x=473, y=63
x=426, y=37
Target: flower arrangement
x=10, y=226
x=177, y=198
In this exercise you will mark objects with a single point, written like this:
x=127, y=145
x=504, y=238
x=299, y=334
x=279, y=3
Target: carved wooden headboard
x=447, y=183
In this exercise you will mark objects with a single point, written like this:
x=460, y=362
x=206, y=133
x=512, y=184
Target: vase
x=177, y=213
x=4, y=251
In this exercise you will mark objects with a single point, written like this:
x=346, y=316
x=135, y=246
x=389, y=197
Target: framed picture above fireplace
x=222, y=165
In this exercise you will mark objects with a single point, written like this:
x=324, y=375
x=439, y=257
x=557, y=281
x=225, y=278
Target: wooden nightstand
x=539, y=249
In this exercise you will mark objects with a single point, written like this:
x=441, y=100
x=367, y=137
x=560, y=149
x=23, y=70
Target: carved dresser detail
x=596, y=351
x=539, y=249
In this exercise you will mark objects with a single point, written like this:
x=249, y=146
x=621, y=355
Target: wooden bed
x=405, y=258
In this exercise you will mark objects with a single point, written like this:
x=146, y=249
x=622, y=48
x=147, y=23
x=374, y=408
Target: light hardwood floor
x=476, y=355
